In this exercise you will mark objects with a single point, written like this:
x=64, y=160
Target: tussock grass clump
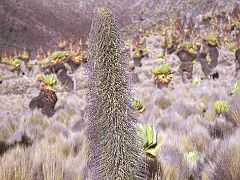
x=115, y=150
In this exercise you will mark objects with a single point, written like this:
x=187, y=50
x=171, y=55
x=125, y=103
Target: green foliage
x=189, y=47
x=45, y=62
x=138, y=105
x=164, y=69
x=146, y=51
x=236, y=87
x=115, y=150
x=58, y=55
x=50, y=80
x=213, y=39
x=149, y=137
x=221, y=106
x=232, y=46
x=197, y=80
x=25, y=55
x=14, y=62
x=128, y=44
x=136, y=53
x=236, y=24
x=192, y=157
x=160, y=56
x=148, y=33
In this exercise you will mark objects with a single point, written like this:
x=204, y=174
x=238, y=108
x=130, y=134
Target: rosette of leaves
x=151, y=145
x=45, y=62
x=236, y=88
x=128, y=44
x=58, y=56
x=5, y=60
x=138, y=105
x=39, y=77
x=189, y=47
x=232, y=47
x=50, y=82
x=221, y=106
x=136, y=53
x=163, y=69
x=235, y=24
x=149, y=138
x=25, y=55
x=47, y=97
x=75, y=56
x=197, y=80
x=62, y=44
x=163, y=31
x=213, y=39
x=30, y=65
x=164, y=78
x=163, y=73
x=148, y=33
x=192, y=157
x=194, y=164
x=14, y=64
x=168, y=41
x=160, y=56
x=146, y=51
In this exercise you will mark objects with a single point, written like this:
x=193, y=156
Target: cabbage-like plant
x=62, y=44
x=47, y=97
x=14, y=62
x=191, y=158
x=163, y=69
x=221, y=106
x=138, y=105
x=136, y=53
x=146, y=51
x=149, y=138
x=160, y=56
x=197, y=80
x=236, y=24
x=232, y=46
x=213, y=39
x=50, y=82
x=58, y=55
x=162, y=75
x=45, y=62
x=25, y=55
x=236, y=87
x=189, y=47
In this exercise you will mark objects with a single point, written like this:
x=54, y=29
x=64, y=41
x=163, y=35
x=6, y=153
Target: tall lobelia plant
x=115, y=149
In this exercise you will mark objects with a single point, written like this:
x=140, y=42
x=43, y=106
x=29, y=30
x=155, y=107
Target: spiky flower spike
x=115, y=150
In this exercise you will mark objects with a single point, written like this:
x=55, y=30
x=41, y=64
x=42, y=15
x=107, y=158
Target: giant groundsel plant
x=115, y=149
